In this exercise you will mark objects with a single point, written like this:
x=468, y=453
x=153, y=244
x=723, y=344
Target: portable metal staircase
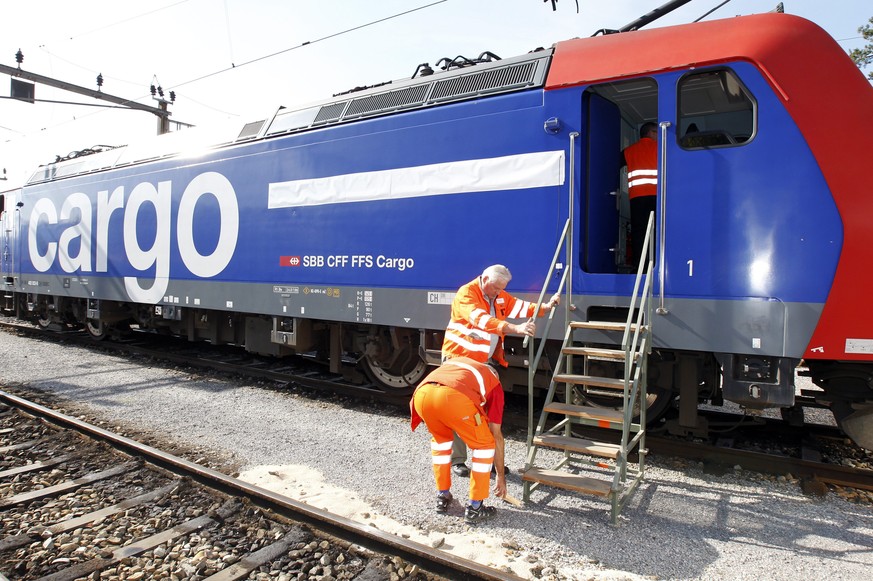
x=600, y=468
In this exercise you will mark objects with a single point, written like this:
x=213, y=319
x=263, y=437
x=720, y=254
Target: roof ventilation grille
x=390, y=101
x=330, y=113
x=499, y=79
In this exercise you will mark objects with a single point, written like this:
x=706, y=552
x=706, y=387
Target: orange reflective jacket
x=473, y=379
x=642, y=168
x=474, y=324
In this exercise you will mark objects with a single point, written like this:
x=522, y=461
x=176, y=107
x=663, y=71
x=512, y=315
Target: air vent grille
x=408, y=97
x=485, y=82
x=520, y=73
x=251, y=129
x=330, y=113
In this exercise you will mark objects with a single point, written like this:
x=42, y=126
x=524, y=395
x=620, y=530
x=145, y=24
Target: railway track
x=805, y=459
x=78, y=501
x=816, y=454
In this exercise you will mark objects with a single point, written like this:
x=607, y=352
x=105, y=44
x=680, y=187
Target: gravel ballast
x=354, y=457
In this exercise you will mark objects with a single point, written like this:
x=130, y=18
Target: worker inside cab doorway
x=641, y=160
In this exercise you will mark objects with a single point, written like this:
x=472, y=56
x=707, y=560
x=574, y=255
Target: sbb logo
x=289, y=261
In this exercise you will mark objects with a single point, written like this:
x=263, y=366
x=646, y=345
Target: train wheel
x=97, y=329
x=399, y=377
x=848, y=389
x=658, y=401
x=391, y=359
x=44, y=322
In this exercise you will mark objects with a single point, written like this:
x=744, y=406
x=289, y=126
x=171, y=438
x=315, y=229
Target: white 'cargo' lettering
x=156, y=253
x=217, y=185
x=106, y=206
x=42, y=207
x=80, y=230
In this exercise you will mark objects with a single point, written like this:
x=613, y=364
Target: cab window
x=715, y=110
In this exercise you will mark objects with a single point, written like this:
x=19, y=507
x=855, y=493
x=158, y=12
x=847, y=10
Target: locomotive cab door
x=706, y=147
x=5, y=240
x=8, y=238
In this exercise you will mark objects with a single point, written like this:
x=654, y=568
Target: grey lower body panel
x=756, y=326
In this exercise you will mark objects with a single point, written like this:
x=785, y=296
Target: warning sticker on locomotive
x=440, y=298
x=859, y=345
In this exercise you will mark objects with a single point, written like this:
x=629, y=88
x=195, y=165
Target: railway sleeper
x=138, y=547
x=20, y=540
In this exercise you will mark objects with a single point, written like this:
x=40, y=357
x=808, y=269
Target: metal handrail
x=534, y=357
x=646, y=251
x=635, y=371
x=565, y=240
x=662, y=185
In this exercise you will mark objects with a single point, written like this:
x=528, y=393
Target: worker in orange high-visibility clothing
x=642, y=184
x=465, y=397
x=477, y=326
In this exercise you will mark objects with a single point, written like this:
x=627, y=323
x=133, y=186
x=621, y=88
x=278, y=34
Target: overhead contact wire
x=310, y=42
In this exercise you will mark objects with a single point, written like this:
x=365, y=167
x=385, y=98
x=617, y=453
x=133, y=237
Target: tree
x=864, y=56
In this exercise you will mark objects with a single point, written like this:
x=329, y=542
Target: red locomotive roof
x=828, y=97
x=777, y=43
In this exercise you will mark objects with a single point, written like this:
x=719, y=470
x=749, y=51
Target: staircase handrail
x=534, y=358
x=645, y=267
x=630, y=342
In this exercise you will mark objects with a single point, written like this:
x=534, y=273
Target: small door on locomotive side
x=7, y=236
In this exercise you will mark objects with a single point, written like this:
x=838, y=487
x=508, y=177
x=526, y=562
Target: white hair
x=497, y=272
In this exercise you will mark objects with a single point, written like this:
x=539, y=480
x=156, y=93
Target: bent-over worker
x=465, y=397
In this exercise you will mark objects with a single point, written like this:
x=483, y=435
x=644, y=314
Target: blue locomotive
x=341, y=230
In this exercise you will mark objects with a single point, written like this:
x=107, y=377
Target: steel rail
x=763, y=462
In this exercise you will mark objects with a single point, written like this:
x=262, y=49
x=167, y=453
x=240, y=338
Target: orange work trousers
x=445, y=410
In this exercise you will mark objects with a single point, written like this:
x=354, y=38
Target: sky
x=234, y=61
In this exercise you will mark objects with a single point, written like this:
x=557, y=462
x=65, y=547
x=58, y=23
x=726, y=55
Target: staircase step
x=603, y=416
x=609, y=382
x=617, y=354
x=579, y=445
x=601, y=325
x=567, y=481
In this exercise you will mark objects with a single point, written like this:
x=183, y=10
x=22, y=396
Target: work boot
x=473, y=515
x=442, y=503
x=461, y=470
